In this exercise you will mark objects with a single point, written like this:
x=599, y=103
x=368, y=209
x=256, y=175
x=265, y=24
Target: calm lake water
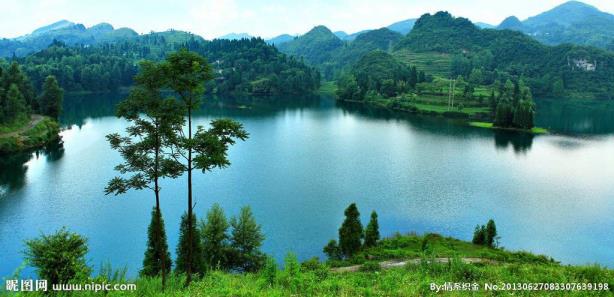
x=307, y=159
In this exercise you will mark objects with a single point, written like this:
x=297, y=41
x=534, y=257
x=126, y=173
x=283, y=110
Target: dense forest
x=243, y=66
x=18, y=98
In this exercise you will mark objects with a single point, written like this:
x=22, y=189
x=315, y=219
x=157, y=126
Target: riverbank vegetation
x=400, y=265
x=27, y=121
x=382, y=80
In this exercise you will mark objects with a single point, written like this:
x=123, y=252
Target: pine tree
x=524, y=114
x=350, y=233
x=15, y=106
x=50, y=101
x=190, y=257
x=14, y=75
x=246, y=241
x=214, y=235
x=491, y=233
x=372, y=232
x=504, y=115
x=157, y=257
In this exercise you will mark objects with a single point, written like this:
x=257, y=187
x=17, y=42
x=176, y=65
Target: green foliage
x=486, y=234
x=524, y=115
x=504, y=115
x=479, y=235
x=50, y=101
x=270, y=271
x=370, y=266
x=333, y=251
x=491, y=233
x=246, y=240
x=372, y=235
x=157, y=259
x=15, y=104
x=348, y=89
x=351, y=232
x=59, y=257
x=215, y=239
x=189, y=252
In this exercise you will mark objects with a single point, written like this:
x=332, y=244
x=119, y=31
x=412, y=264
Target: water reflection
x=576, y=116
x=520, y=142
x=13, y=167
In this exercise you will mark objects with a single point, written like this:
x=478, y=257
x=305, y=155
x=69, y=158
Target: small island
x=27, y=121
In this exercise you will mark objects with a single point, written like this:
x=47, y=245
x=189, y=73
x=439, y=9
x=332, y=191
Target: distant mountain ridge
x=235, y=36
x=65, y=31
x=571, y=22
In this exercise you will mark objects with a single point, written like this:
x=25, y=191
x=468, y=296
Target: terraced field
x=431, y=63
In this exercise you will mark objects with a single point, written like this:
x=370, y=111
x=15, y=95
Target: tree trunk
x=190, y=235
x=159, y=212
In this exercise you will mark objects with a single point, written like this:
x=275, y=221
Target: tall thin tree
x=206, y=149
x=154, y=119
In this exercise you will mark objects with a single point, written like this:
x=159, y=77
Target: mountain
x=325, y=50
x=402, y=27
x=316, y=46
x=67, y=32
x=235, y=36
x=572, y=22
x=280, y=39
x=563, y=70
x=511, y=23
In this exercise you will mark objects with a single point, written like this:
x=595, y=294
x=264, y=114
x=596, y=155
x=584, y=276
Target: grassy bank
x=25, y=134
x=314, y=278
x=487, y=125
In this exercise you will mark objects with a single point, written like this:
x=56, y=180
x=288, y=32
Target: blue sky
x=266, y=18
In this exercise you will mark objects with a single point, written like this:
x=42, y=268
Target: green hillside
x=557, y=71
x=430, y=62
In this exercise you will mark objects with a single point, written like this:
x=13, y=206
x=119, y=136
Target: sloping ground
x=37, y=132
x=435, y=261
x=431, y=63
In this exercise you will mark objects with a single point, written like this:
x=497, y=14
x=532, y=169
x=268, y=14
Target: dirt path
x=34, y=120
x=400, y=263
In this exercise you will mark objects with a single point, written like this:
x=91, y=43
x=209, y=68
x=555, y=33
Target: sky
x=265, y=18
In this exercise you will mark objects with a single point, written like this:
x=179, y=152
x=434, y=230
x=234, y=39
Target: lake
x=308, y=158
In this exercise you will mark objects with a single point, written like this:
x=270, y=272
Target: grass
x=315, y=278
x=328, y=88
x=14, y=126
x=487, y=125
x=43, y=132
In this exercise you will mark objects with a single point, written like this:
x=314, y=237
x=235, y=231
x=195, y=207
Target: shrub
x=370, y=266
x=59, y=257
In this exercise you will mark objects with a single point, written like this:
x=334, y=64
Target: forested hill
x=324, y=50
x=246, y=65
x=564, y=70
